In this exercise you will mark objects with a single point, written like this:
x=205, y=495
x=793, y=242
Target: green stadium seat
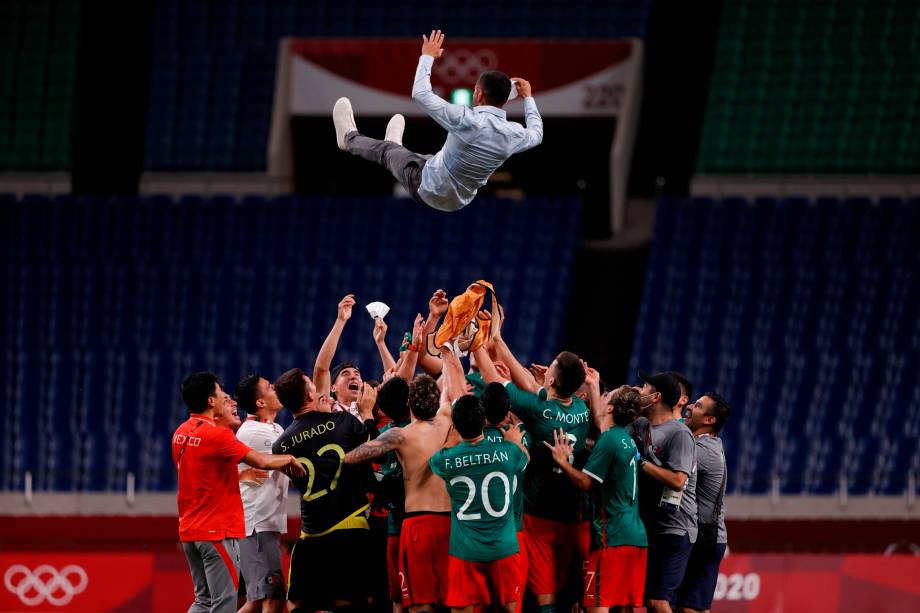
x=823, y=87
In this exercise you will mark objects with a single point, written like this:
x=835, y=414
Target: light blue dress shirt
x=479, y=140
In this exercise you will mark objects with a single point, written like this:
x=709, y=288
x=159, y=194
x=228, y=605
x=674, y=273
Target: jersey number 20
x=462, y=515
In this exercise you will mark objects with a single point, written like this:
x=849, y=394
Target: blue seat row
x=109, y=302
x=804, y=314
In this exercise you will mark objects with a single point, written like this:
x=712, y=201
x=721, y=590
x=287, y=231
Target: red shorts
x=555, y=552
x=615, y=576
x=522, y=564
x=482, y=583
x=393, y=568
x=423, y=546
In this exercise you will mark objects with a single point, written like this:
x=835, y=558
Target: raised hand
x=539, y=373
x=345, y=307
x=418, y=330
x=523, y=87
x=503, y=371
x=380, y=330
x=561, y=447
x=438, y=304
x=592, y=377
x=367, y=398
x=431, y=45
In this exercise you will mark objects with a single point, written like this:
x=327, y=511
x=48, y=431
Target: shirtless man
x=426, y=528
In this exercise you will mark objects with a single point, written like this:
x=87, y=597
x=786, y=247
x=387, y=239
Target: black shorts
x=700, y=579
x=330, y=569
x=667, y=560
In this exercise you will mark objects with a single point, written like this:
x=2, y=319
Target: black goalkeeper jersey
x=331, y=491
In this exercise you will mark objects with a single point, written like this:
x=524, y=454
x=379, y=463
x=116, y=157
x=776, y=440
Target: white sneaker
x=344, y=119
x=395, y=129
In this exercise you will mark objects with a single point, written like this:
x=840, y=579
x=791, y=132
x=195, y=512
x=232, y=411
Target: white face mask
x=646, y=406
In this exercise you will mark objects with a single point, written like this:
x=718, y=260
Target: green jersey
x=613, y=465
x=479, y=478
x=474, y=378
x=494, y=434
x=387, y=467
x=548, y=493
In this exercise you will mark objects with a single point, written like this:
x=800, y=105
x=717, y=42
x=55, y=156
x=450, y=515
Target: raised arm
x=533, y=133
x=409, y=361
x=327, y=351
x=380, y=339
x=595, y=403
x=437, y=306
x=519, y=375
x=453, y=370
x=383, y=444
x=446, y=114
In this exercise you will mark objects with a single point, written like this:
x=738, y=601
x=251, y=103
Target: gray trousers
x=215, y=567
x=405, y=166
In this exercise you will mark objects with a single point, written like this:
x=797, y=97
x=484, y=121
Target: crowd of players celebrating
x=491, y=487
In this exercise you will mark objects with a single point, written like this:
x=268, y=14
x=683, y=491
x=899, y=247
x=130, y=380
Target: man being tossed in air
x=479, y=140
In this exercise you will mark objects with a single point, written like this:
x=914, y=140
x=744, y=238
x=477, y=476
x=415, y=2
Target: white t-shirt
x=263, y=505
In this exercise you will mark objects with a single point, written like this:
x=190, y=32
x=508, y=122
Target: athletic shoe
x=395, y=129
x=344, y=119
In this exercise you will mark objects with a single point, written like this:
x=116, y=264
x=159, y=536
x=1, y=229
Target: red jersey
x=206, y=456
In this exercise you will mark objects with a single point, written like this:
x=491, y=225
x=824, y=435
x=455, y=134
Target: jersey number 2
x=311, y=472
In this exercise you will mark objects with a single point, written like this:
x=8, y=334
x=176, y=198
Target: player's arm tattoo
x=383, y=444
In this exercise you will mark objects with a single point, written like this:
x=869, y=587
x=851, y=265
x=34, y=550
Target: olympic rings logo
x=464, y=66
x=45, y=583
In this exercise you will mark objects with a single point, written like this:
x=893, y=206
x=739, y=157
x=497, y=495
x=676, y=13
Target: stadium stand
x=829, y=86
x=801, y=313
x=110, y=302
x=38, y=49
x=214, y=63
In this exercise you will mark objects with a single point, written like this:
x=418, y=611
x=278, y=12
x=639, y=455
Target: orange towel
x=463, y=319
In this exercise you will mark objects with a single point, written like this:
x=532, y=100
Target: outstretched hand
x=345, y=307
x=380, y=330
x=523, y=87
x=431, y=45
x=561, y=447
x=438, y=304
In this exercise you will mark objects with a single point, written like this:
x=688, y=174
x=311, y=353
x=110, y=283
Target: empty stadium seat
x=804, y=316
x=111, y=302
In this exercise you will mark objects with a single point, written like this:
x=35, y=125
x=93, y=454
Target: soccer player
x=497, y=406
x=264, y=499
x=210, y=509
x=426, y=526
x=480, y=476
x=393, y=399
x=558, y=534
x=334, y=504
x=615, y=572
x=344, y=381
x=706, y=419
x=479, y=140
x=667, y=489
x=686, y=390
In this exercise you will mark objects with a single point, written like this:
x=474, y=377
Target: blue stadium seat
x=804, y=316
x=113, y=301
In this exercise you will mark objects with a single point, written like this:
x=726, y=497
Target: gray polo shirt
x=710, y=468
x=669, y=445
